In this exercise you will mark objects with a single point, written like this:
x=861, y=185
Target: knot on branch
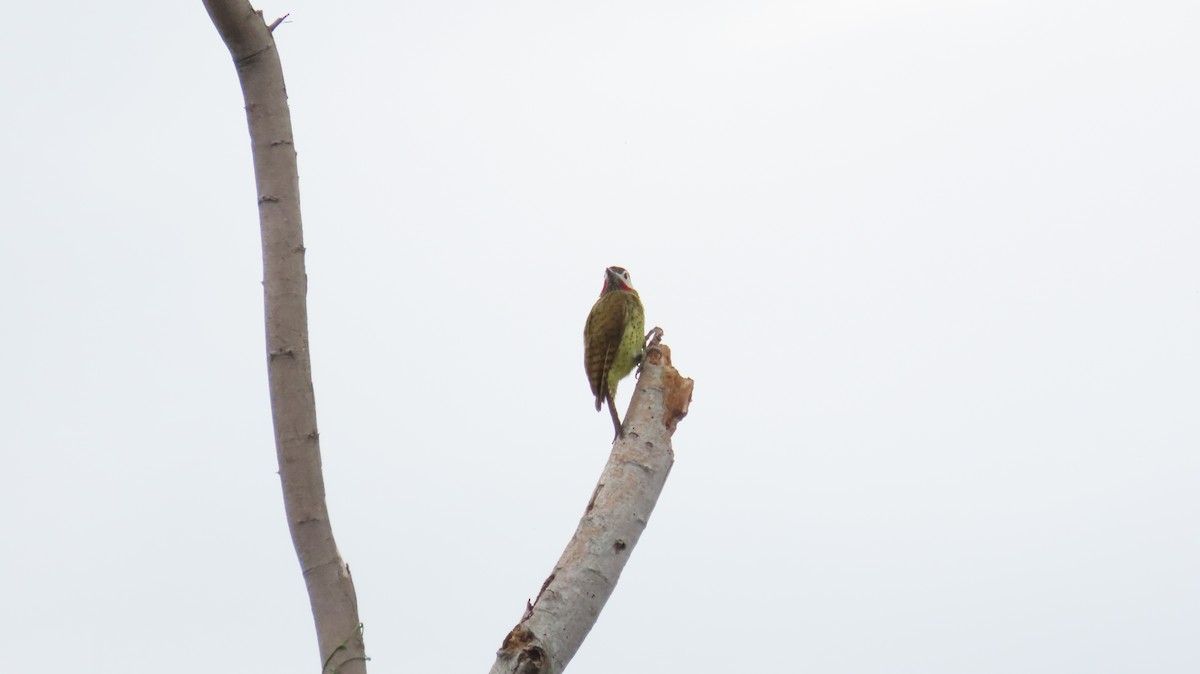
x=521, y=645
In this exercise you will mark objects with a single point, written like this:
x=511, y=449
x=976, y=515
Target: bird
x=613, y=338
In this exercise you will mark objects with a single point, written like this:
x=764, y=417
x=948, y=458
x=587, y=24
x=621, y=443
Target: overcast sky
x=932, y=265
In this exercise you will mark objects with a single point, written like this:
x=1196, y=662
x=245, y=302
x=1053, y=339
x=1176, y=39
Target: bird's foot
x=653, y=339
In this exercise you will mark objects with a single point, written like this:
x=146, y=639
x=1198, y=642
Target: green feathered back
x=612, y=340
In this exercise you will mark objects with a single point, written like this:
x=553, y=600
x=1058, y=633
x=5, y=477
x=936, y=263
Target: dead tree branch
x=571, y=599
x=285, y=285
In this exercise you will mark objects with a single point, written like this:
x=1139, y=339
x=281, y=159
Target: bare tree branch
x=285, y=284
x=571, y=599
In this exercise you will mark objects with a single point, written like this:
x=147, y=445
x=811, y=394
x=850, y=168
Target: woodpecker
x=613, y=338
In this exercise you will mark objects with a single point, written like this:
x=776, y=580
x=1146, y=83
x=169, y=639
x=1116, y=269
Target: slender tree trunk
x=285, y=284
x=570, y=601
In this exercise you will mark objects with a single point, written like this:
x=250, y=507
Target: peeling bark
x=570, y=601
x=285, y=285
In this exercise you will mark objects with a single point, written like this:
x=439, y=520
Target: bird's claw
x=652, y=340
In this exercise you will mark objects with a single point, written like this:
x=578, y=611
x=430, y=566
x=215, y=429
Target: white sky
x=933, y=266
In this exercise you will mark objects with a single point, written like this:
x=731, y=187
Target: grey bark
x=285, y=285
x=570, y=601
